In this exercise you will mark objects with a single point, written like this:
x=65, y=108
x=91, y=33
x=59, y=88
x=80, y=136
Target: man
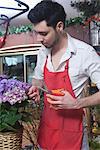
x=63, y=63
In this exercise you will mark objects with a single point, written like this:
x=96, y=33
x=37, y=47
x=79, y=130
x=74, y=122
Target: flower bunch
x=12, y=90
x=89, y=12
x=13, y=102
x=89, y=8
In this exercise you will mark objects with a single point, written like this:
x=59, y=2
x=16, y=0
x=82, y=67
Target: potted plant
x=90, y=15
x=87, y=8
x=13, y=111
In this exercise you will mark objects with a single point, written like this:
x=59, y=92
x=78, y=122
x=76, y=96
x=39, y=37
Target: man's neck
x=61, y=45
x=58, y=51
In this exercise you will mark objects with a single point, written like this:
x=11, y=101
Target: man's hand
x=33, y=94
x=61, y=102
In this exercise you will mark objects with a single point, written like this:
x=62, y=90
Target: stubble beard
x=54, y=43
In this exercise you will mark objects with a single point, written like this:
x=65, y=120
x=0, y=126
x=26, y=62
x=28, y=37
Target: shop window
x=13, y=67
x=18, y=62
x=30, y=65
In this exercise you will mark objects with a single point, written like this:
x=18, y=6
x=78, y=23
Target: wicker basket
x=11, y=140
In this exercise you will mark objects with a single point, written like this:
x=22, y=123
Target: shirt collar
x=71, y=48
x=71, y=45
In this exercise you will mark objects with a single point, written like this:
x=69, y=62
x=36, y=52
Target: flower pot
x=94, y=34
x=11, y=140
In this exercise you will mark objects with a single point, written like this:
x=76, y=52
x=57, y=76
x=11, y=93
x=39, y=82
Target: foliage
x=88, y=8
x=94, y=145
x=89, y=11
x=13, y=103
x=23, y=28
x=74, y=21
x=17, y=30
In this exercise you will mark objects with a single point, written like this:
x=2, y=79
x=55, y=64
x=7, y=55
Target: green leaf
x=6, y=127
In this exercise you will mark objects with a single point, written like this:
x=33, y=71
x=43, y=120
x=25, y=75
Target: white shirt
x=84, y=62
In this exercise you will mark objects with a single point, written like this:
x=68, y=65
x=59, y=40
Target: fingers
x=31, y=90
x=37, y=98
x=33, y=94
x=54, y=97
x=61, y=102
x=53, y=101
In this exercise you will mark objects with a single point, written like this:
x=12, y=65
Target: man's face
x=46, y=34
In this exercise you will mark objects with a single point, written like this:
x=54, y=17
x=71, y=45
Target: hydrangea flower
x=12, y=90
x=13, y=103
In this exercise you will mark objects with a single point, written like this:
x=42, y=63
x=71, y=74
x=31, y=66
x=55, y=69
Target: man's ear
x=60, y=26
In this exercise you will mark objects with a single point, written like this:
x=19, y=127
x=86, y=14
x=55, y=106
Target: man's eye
x=40, y=33
x=43, y=33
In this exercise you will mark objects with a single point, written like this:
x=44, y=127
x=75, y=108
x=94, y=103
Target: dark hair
x=51, y=12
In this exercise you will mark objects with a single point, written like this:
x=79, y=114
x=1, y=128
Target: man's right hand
x=33, y=94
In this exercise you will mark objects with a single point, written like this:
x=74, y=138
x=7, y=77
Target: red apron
x=60, y=129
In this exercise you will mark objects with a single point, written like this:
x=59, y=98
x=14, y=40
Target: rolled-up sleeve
x=93, y=67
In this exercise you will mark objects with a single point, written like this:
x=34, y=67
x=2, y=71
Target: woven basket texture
x=10, y=140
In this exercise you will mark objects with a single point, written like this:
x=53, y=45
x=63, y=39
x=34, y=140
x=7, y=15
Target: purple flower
x=12, y=91
x=3, y=77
